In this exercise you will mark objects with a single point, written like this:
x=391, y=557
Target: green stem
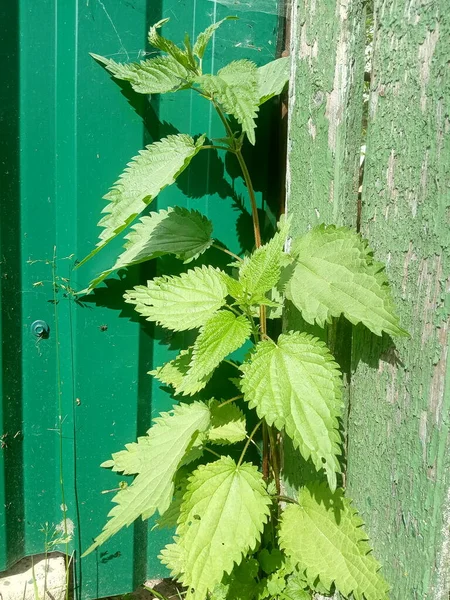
x=247, y=444
x=255, y=330
x=227, y=252
x=214, y=147
x=251, y=193
x=257, y=233
x=274, y=456
x=285, y=499
x=230, y=400
x=231, y=363
x=246, y=174
x=266, y=453
x=211, y=451
x=234, y=310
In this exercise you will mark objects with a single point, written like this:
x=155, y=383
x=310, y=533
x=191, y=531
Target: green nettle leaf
x=180, y=303
x=221, y=335
x=170, y=518
x=260, y=271
x=204, y=37
x=169, y=438
x=172, y=555
x=132, y=460
x=146, y=176
x=272, y=78
x=172, y=372
x=179, y=231
x=295, y=384
x=227, y=424
x=153, y=76
x=222, y=518
x=335, y=274
x=135, y=458
x=235, y=88
x=158, y=41
x=324, y=535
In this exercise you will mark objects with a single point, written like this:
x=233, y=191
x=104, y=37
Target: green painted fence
x=71, y=398
x=398, y=396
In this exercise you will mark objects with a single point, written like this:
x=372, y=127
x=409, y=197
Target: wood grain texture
x=398, y=396
x=398, y=469
x=325, y=111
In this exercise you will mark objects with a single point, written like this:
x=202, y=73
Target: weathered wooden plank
x=399, y=462
x=325, y=111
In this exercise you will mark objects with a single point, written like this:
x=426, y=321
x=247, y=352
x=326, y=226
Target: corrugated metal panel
x=70, y=400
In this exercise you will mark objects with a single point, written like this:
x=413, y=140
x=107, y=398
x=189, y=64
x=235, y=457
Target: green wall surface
x=68, y=131
x=397, y=392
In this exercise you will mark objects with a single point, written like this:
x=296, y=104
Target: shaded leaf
x=158, y=41
x=172, y=372
x=270, y=560
x=179, y=231
x=145, y=177
x=260, y=271
x=241, y=584
x=153, y=76
x=227, y=424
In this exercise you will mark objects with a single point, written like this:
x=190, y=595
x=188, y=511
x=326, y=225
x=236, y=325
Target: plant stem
x=217, y=147
x=247, y=444
x=285, y=499
x=265, y=461
x=227, y=252
x=262, y=309
x=247, y=178
x=212, y=451
x=255, y=330
x=230, y=400
x=251, y=193
x=231, y=363
x=274, y=457
x=233, y=310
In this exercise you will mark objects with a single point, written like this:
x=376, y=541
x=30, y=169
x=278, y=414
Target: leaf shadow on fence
x=372, y=349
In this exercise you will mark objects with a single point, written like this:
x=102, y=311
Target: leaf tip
x=98, y=58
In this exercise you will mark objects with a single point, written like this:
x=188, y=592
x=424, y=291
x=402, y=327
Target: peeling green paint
x=325, y=107
x=399, y=463
x=399, y=396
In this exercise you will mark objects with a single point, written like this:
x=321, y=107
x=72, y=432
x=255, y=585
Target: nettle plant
x=238, y=533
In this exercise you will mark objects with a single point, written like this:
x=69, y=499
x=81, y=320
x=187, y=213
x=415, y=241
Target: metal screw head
x=40, y=329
